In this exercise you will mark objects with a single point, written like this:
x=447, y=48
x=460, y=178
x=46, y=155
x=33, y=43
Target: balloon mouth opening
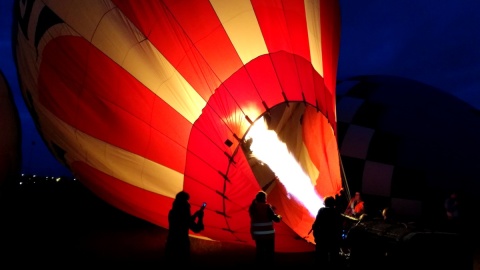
x=276, y=152
x=263, y=139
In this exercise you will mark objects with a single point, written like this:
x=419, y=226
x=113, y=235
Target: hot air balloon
x=10, y=145
x=406, y=144
x=143, y=99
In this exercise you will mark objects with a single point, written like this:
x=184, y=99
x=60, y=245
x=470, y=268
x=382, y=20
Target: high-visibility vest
x=261, y=223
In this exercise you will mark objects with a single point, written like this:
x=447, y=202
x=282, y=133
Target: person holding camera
x=180, y=221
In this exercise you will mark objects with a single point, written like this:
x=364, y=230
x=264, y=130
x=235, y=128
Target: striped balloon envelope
x=143, y=99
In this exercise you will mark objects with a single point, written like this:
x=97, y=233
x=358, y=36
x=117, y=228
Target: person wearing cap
x=262, y=217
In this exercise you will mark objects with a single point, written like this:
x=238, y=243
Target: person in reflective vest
x=355, y=206
x=262, y=217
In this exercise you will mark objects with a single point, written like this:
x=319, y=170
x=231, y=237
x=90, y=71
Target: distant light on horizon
x=27, y=179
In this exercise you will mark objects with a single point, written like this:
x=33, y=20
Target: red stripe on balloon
x=283, y=25
x=330, y=25
x=191, y=38
x=131, y=199
x=106, y=102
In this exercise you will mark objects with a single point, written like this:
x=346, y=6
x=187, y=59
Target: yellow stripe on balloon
x=312, y=10
x=113, y=34
x=109, y=159
x=239, y=20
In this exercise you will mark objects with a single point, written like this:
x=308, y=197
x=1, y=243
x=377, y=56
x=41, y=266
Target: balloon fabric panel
x=277, y=19
x=321, y=156
x=91, y=112
x=128, y=198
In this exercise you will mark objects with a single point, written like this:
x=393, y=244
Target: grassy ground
x=68, y=226
x=47, y=226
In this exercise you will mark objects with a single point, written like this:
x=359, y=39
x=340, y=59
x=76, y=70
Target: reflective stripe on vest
x=258, y=230
x=261, y=225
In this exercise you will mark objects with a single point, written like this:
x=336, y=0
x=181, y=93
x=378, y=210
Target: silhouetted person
x=453, y=211
x=180, y=221
x=341, y=201
x=262, y=217
x=388, y=215
x=327, y=232
x=367, y=249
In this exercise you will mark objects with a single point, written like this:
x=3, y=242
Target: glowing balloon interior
x=143, y=99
